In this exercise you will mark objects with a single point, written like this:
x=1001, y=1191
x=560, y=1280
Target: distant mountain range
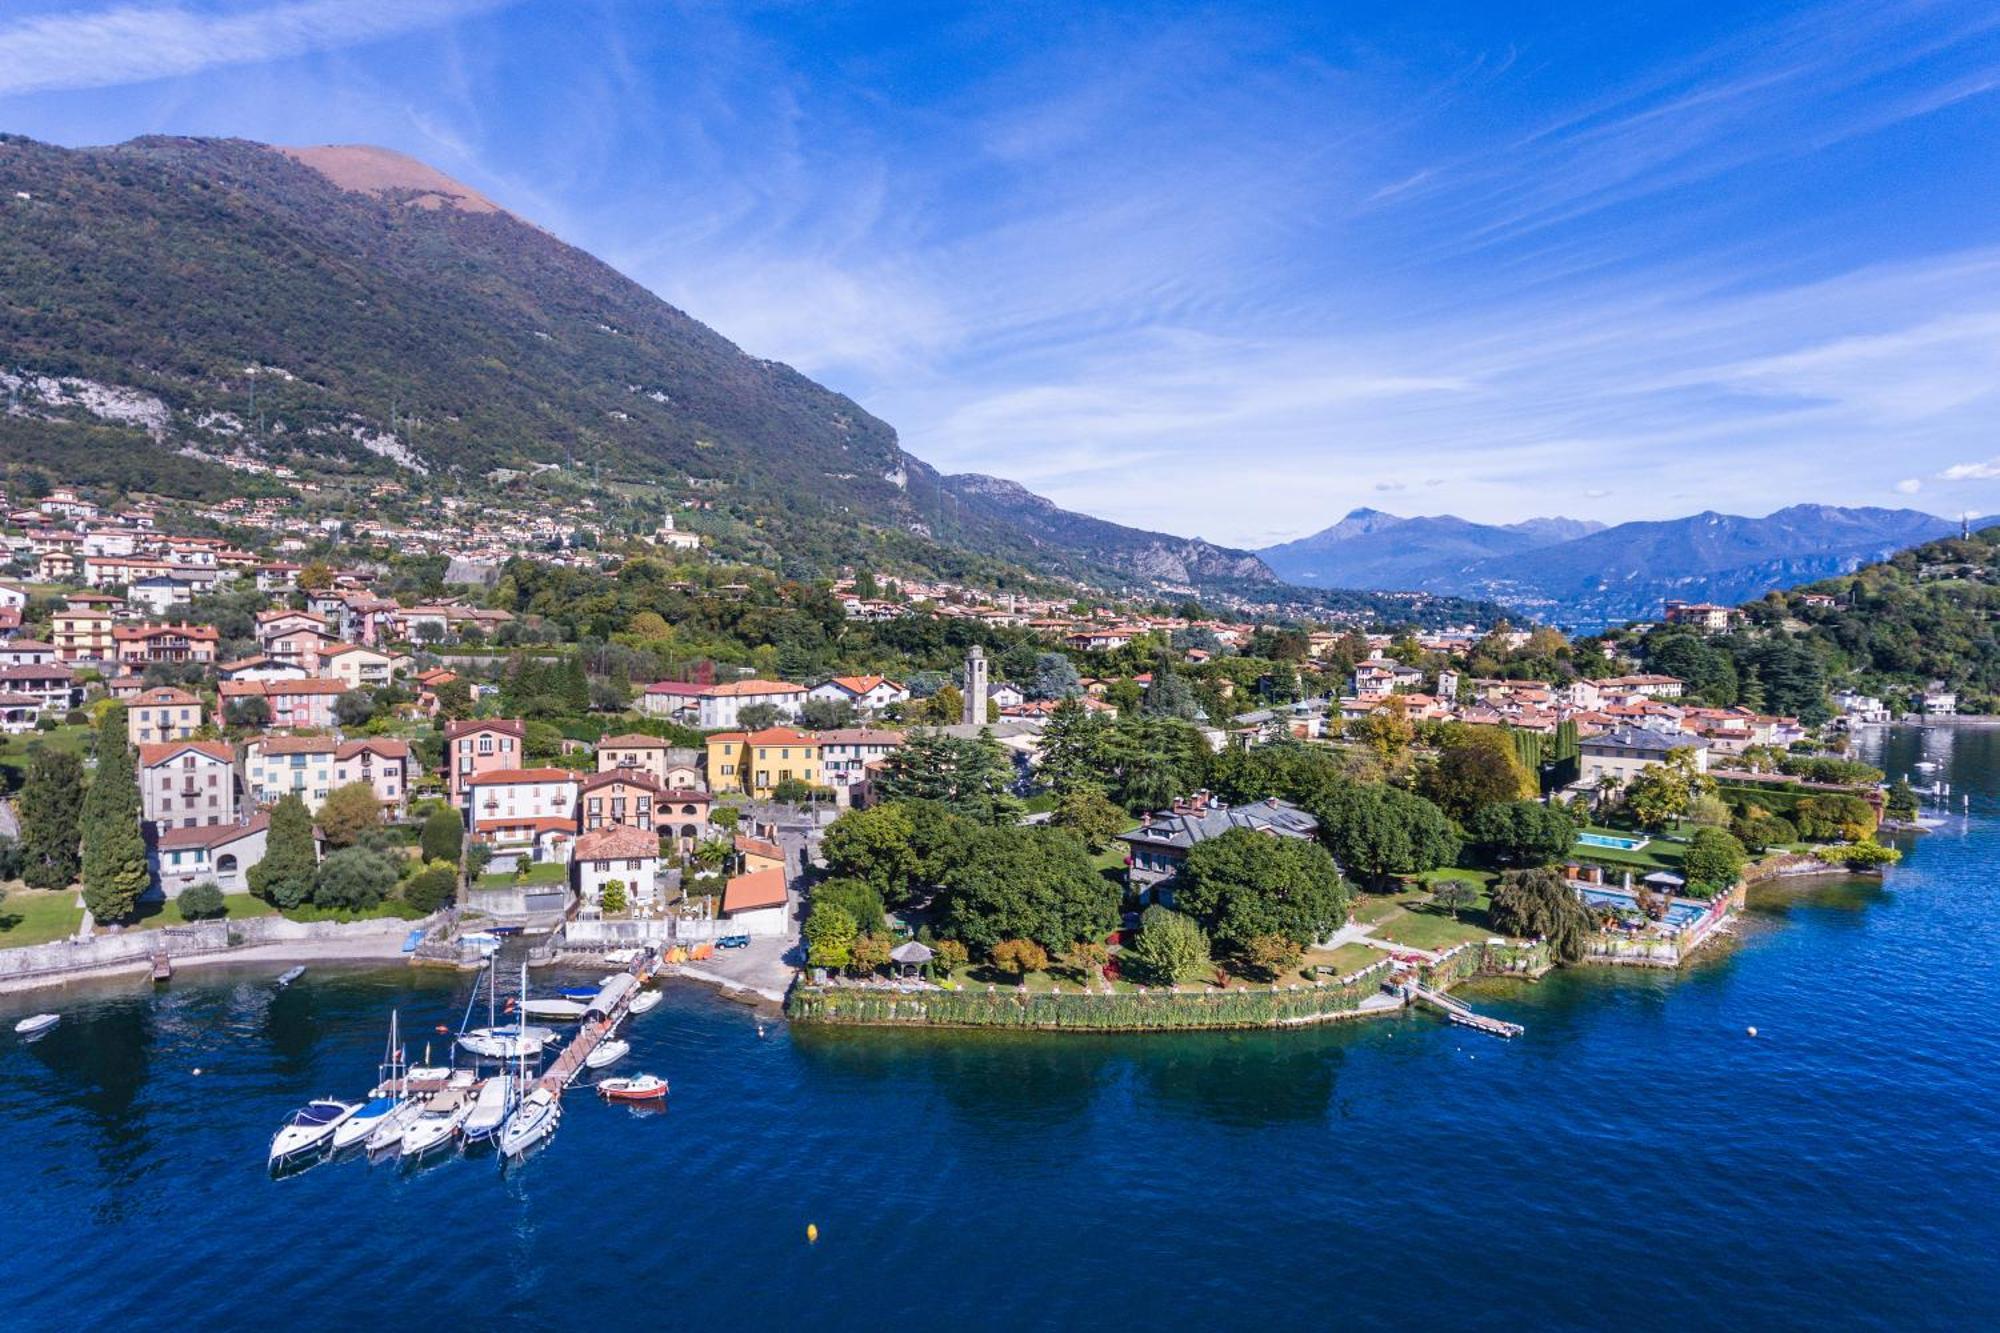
x=1583, y=575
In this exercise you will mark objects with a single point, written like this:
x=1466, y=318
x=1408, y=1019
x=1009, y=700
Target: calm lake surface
x=1635, y=1159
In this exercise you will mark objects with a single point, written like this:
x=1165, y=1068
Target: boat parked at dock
x=309, y=1130
x=534, y=1120
x=647, y=1001
x=607, y=1054
x=491, y=1106
x=436, y=1125
x=638, y=1088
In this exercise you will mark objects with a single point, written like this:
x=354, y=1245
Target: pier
x=607, y=1011
x=1461, y=1015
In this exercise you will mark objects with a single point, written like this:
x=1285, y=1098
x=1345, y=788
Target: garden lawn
x=167, y=911
x=1344, y=961
x=541, y=872
x=14, y=749
x=38, y=916
x=1658, y=854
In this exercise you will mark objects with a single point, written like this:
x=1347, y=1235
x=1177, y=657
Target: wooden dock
x=1463, y=1016
x=589, y=1036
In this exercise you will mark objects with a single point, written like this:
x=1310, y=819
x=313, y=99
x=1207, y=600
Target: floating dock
x=1458, y=1013
x=601, y=1018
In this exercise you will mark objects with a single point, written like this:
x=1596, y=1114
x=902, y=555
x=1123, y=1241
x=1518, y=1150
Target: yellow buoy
x=812, y=1233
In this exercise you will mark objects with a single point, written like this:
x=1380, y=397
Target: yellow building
x=757, y=762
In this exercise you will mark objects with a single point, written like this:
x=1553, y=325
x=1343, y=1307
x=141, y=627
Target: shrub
x=1171, y=948
x=431, y=888
x=353, y=879
x=202, y=901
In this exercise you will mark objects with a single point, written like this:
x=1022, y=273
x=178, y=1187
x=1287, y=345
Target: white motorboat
x=485, y=941
x=37, y=1024
x=387, y=1137
x=388, y=1098
x=289, y=975
x=638, y=1088
x=553, y=1008
x=510, y=1041
x=647, y=1001
x=607, y=1054
x=436, y=1126
x=364, y=1122
x=490, y=1108
x=309, y=1130
x=532, y=1121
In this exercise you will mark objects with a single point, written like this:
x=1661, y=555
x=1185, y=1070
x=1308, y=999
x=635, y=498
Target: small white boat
x=533, y=1120
x=290, y=975
x=364, y=1122
x=607, y=1054
x=436, y=1126
x=553, y=1008
x=387, y=1137
x=510, y=1041
x=491, y=1106
x=428, y=1073
x=38, y=1023
x=485, y=941
x=309, y=1130
x=620, y=957
x=638, y=1088
x=647, y=1001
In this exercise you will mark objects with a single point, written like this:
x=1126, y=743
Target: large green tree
x=284, y=878
x=1171, y=948
x=349, y=812
x=875, y=847
x=1076, y=746
x=1244, y=884
x=1031, y=883
x=444, y=835
x=50, y=809
x=1712, y=862
x=1376, y=831
x=1541, y=903
x=1523, y=833
x=971, y=777
x=354, y=879
x=1474, y=767
x=1087, y=812
x=114, y=846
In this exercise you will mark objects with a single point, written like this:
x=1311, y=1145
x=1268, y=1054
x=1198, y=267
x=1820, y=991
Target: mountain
x=1147, y=555
x=1583, y=575
x=168, y=303
x=1627, y=571
x=1371, y=549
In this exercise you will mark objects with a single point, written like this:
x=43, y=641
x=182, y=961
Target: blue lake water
x=1635, y=1159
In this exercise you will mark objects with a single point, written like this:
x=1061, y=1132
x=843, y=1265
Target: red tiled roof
x=505, y=726
x=739, y=689
x=617, y=842
x=211, y=835
x=747, y=893
x=502, y=776
x=150, y=755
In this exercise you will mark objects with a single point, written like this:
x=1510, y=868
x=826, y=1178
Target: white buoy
x=1751, y=1031
x=197, y=1071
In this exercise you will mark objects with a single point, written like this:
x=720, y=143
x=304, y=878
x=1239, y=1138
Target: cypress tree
x=284, y=878
x=51, y=810
x=114, y=847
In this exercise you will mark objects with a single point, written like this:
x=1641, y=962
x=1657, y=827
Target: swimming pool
x=1679, y=914
x=1613, y=841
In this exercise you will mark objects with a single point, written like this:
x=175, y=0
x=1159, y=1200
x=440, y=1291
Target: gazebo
x=1666, y=881
x=909, y=957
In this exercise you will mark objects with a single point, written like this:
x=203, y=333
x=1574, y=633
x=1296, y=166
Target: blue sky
x=1225, y=270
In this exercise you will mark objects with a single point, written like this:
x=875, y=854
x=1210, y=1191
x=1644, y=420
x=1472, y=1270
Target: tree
x=857, y=897
x=827, y=714
x=1661, y=792
x=284, y=878
x=354, y=708
x=1453, y=895
x=1272, y=955
x=874, y=847
x=1901, y=803
x=1712, y=863
x=945, y=708
x=433, y=887
x=1075, y=746
x=1168, y=695
x=757, y=717
x=830, y=933
x=1830, y=815
x=1524, y=833
x=1170, y=948
x=443, y=836
x=1019, y=956
x=1244, y=884
x=316, y=577
x=114, y=846
x=1475, y=767
x=613, y=896
x=250, y=713
x=1055, y=677
x=353, y=879
x=1375, y=831
x=198, y=902
x=871, y=954
x=51, y=812
x=1087, y=812
x=1031, y=883
x=349, y=812
x=1541, y=903
x=1708, y=809
x=947, y=956
x=1387, y=731
x=970, y=777
x=1085, y=960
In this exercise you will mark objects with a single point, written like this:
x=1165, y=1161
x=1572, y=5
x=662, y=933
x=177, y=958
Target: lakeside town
x=992, y=807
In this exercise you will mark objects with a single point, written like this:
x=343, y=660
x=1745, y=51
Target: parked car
x=733, y=942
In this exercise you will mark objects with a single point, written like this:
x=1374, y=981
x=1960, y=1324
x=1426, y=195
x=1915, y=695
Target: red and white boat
x=638, y=1088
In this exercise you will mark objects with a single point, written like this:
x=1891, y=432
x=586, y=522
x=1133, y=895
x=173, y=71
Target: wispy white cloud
x=1909, y=486
x=1986, y=471
x=135, y=43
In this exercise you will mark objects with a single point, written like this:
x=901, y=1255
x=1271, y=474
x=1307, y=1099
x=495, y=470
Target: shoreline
x=358, y=951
